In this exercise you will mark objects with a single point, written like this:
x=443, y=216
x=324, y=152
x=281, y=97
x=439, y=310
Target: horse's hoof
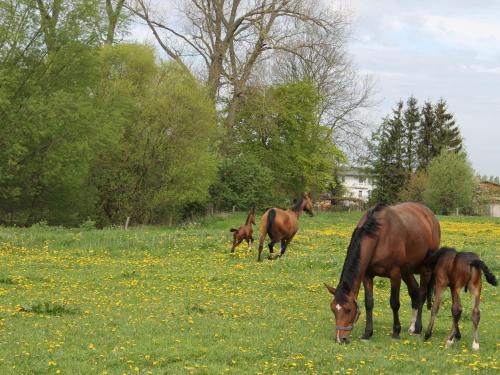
x=396, y=336
x=449, y=343
x=366, y=337
x=427, y=336
x=475, y=345
x=458, y=335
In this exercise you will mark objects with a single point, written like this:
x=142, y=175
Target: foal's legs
x=235, y=244
x=368, y=286
x=425, y=278
x=413, y=291
x=475, y=291
x=435, y=308
x=395, y=286
x=250, y=243
x=456, y=312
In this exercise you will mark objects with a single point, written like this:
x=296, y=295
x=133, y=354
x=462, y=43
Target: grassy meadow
x=154, y=300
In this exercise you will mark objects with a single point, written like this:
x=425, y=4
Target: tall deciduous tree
x=231, y=37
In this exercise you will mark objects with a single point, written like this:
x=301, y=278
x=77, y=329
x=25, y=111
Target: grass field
x=173, y=301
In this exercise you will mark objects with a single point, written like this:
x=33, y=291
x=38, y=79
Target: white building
x=357, y=182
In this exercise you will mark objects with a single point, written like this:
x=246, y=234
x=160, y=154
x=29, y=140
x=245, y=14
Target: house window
x=362, y=180
x=360, y=193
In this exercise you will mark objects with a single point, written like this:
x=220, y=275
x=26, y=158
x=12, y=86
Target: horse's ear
x=331, y=289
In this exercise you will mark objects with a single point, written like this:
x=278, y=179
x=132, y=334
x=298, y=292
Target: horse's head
x=307, y=204
x=346, y=314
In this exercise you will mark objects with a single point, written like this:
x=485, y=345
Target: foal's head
x=307, y=204
x=346, y=310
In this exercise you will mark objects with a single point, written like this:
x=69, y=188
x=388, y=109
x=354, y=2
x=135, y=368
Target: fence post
x=127, y=222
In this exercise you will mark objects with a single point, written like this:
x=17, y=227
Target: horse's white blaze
x=475, y=345
x=338, y=307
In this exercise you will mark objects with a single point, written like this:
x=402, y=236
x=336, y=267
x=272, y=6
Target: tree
x=448, y=136
x=388, y=164
x=49, y=123
x=411, y=123
x=279, y=125
x=451, y=183
x=231, y=38
x=427, y=142
x=244, y=182
x=414, y=189
x=156, y=164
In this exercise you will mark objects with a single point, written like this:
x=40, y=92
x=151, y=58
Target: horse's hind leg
x=413, y=291
x=456, y=312
x=435, y=308
x=475, y=291
x=368, y=286
x=395, y=286
x=271, y=250
x=284, y=244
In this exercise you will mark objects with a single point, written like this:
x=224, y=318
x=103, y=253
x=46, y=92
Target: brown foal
x=244, y=233
x=457, y=270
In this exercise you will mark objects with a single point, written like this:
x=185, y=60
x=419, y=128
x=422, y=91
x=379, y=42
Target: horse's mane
x=350, y=269
x=298, y=203
x=249, y=216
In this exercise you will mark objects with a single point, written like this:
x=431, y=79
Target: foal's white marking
x=475, y=345
x=338, y=307
x=413, y=320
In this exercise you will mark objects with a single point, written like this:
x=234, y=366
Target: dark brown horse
x=281, y=225
x=244, y=232
x=457, y=270
x=392, y=242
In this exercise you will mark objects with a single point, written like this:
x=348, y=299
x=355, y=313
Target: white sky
x=430, y=49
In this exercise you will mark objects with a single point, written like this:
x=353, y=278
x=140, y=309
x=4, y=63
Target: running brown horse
x=281, y=225
x=244, y=232
x=457, y=270
x=392, y=242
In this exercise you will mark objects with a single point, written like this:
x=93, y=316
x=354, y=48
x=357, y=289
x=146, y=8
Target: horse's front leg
x=368, y=286
x=395, y=286
x=413, y=291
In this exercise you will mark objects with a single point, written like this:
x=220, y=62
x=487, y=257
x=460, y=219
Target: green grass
x=174, y=301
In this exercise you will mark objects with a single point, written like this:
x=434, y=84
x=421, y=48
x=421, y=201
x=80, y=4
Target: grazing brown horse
x=457, y=270
x=392, y=242
x=244, y=232
x=281, y=225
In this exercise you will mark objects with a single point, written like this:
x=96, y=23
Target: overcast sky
x=434, y=49
x=446, y=49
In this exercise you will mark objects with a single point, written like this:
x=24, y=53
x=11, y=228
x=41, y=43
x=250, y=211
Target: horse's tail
x=490, y=278
x=233, y=230
x=271, y=215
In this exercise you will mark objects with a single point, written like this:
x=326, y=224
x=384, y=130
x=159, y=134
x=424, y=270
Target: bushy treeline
x=91, y=128
x=418, y=155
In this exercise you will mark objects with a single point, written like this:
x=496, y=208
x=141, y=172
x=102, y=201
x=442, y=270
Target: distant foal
x=281, y=225
x=244, y=232
x=457, y=270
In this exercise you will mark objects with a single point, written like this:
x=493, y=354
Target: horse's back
x=409, y=231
